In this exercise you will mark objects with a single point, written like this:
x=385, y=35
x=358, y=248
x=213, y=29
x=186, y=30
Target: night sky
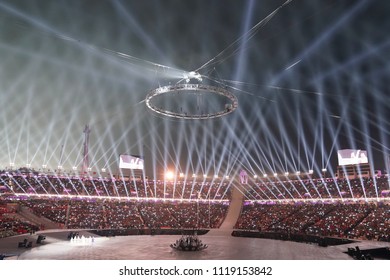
x=310, y=81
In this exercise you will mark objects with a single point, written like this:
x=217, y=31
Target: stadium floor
x=221, y=247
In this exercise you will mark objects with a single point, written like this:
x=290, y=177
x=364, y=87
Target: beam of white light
x=280, y=89
x=12, y=120
x=45, y=29
x=235, y=160
x=15, y=182
x=244, y=138
x=8, y=122
x=284, y=188
x=270, y=182
x=285, y=138
x=325, y=183
x=96, y=146
x=62, y=140
x=257, y=188
x=316, y=130
x=326, y=35
x=237, y=89
x=115, y=143
x=20, y=135
x=270, y=136
x=384, y=139
x=129, y=18
x=235, y=46
x=361, y=57
x=195, y=149
x=354, y=144
x=292, y=65
x=335, y=133
x=64, y=64
x=241, y=59
x=368, y=145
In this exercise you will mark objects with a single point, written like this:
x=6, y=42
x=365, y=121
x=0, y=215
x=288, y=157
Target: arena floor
x=221, y=247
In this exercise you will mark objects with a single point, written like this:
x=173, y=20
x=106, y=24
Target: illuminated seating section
x=319, y=189
x=109, y=214
x=264, y=190
x=272, y=206
x=57, y=185
x=10, y=225
x=54, y=210
x=376, y=225
x=345, y=220
x=93, y=202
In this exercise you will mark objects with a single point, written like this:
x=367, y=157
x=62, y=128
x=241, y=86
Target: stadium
x=243, y=130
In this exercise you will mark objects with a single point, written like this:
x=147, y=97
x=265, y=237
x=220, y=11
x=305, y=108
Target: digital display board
x=131, y=162
x=351, y=156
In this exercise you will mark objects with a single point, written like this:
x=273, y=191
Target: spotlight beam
x=129, y=18
x=235, y=46
x=45, y=29
x=323, y=37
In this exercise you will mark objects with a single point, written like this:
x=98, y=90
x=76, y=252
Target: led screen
x=350, y=156
x=131, y=162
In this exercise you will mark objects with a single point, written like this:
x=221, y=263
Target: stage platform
x=146, y=247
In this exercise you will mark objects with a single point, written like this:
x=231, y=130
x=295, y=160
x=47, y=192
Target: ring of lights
x=229, y=108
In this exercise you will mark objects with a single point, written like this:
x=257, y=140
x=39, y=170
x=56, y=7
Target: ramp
x=234, y=209
x=27, y=214
x=233, y=213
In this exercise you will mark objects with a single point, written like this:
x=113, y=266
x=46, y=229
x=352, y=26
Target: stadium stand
x=288, y=207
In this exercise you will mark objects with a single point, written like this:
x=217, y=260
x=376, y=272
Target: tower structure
x=85, y=166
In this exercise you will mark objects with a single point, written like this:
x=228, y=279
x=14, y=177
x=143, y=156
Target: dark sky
x=310, y=81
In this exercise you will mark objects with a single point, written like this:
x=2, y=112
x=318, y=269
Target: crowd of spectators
x=344, y=220
x=319, y=188
x=15, y=182
x=266, y=210
x=375, y=226
x=112, y=214
x=340, y=221
x=263, y=189
x=10, y=224
x=54, y=211
x=184, y=215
